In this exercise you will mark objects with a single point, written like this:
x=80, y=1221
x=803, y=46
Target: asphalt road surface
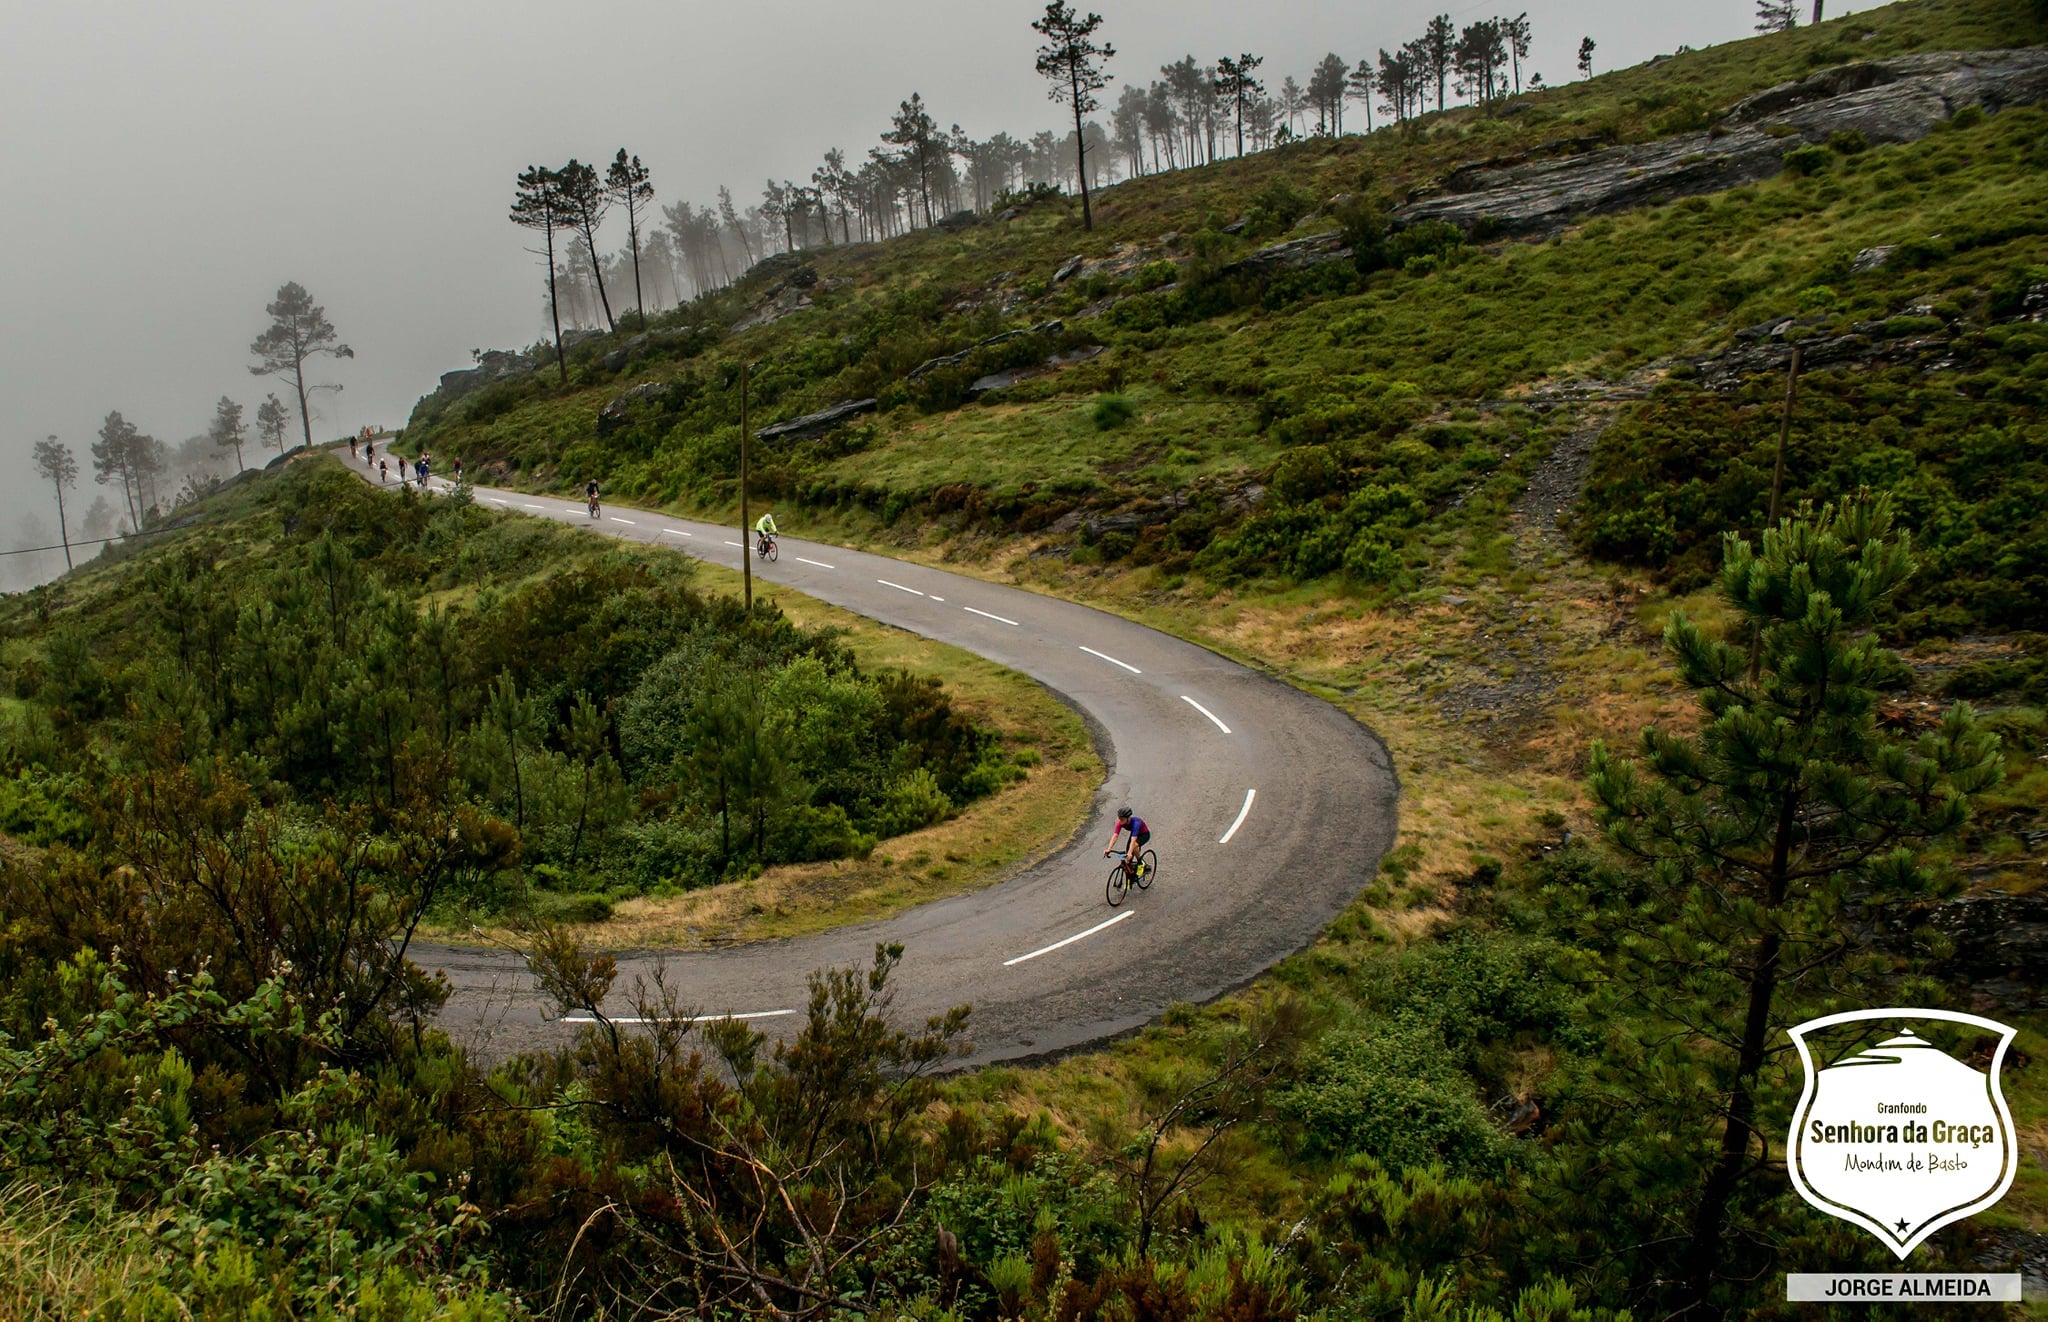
x=1269, y=810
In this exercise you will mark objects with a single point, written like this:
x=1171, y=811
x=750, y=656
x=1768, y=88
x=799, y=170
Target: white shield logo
x=1895, y=1133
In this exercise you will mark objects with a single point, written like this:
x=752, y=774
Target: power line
x=95, y=541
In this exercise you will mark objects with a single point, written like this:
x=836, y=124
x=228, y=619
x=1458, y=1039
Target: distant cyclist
x=590, y=496
x=1141, y=835
x=458, y=472
x=765, y=531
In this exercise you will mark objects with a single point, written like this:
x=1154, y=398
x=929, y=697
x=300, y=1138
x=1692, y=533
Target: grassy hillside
x=1217, y=376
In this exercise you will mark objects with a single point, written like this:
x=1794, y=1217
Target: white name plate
x=1903, y=1287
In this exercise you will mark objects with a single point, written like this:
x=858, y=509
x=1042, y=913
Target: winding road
x=1269, y=809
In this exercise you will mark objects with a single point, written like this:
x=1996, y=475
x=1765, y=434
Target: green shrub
x=1808, y=159
x=1848, y=142
x=1276, y=207
x=1968, y=472
x=1112, y=411
x=1154, y=275
x=912, y=802
x=1432, y=241
x=1389, y=1092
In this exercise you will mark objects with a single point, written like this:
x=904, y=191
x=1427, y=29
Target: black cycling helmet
x=1123, y=814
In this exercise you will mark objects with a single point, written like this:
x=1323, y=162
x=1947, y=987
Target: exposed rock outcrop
x=959, y=356
x=1896, y=100
x=491, y=365
x=817, y=424
x=616, y=412
x=1017, y=375
x=641, y=343
x=1293, y=255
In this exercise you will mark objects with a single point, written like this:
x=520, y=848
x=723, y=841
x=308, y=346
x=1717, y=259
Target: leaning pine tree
x=1072, y=61
x=1765, y=840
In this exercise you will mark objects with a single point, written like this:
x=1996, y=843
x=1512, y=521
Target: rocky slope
x=1883, y=101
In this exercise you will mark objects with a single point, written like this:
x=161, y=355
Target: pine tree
x=113, y=458
x=1360, y=86
x=227, y=431
x=1327, y=86
x=1439, y=51
x=915, y=134
x=1235, y=83
x=1586, y=47
x=298, y=331
x=537, y=205
x=585, y=200
x=1072, y=61
x=271, y=420
x=1518, y=34
x=56, y=464
x=1789, y=815
x=628, y=185
x=1777, y=15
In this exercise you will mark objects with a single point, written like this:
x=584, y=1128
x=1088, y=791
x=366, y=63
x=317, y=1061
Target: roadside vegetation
x=330, y=649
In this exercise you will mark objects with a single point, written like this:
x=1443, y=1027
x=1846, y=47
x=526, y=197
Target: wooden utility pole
x=746, y=544
x=1756, y=636
x=1784, y=435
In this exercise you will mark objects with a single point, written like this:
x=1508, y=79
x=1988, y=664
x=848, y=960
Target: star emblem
x=1903, y=1227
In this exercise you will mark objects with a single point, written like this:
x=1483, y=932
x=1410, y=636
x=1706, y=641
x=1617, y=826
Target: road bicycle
x=593, y=507
x=1127, y=875
x=765, y=547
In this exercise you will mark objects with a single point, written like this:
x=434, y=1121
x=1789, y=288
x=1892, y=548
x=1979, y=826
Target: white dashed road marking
x=899, y=587
x=531, y=507
x=1112, y=660
x=628, y=522
x=1205, y=711
x=986, y=616
x=1242, y=813
x=687, y=1019
x=678, y=532
x=819, y=563
x=1047, y=950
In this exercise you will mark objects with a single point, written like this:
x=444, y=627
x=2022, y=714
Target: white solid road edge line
x=1112, y=660
x=1205, y=711
x=986, y=616
x=1242, y=813
x=899, y=587
x=819, y=563
x=686, y=1019
x=1070, y=940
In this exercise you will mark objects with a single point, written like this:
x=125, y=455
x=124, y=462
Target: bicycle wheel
x=774, y=551
x=1116, y=887
x=1148, y=863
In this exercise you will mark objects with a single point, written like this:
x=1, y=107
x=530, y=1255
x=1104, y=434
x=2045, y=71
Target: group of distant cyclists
x=363, y=446
x=1134, y=861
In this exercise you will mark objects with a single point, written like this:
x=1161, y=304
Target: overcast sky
x=170, y=164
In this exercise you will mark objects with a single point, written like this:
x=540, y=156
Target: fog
x=171, y=165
